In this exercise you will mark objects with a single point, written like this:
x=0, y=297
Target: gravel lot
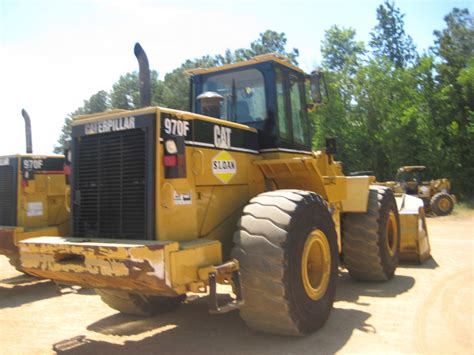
x=425, y=309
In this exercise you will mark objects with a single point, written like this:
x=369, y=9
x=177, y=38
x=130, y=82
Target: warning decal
x=224, y=166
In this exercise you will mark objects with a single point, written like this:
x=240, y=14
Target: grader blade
x=414, y=241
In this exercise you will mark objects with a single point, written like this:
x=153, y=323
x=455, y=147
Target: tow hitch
x=225, y=273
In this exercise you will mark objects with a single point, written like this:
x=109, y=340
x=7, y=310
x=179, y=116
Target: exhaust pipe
x=29, y=144
x=144, y=75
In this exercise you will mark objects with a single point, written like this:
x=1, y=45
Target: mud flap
x=414, y=240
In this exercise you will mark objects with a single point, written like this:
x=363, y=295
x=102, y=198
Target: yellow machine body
x=435, y=193
x=32, y=200
x=196, y=204
x=414, y=242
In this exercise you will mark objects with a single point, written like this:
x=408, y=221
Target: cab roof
x=272, y=57
x=411, y=168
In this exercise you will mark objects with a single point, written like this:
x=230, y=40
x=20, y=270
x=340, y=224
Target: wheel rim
x=391, y=235
x=444, y=204
x=316, y=265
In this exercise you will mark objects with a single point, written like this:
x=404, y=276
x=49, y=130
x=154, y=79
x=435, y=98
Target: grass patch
x=464, y=208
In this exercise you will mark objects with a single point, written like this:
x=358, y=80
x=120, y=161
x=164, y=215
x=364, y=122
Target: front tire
x=286, y=245
x=371, y=240
x=442, y=204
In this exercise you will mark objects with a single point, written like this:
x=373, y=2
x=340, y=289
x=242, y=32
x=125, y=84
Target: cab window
x=243, y=93
x=297, y=114
x=281, y=105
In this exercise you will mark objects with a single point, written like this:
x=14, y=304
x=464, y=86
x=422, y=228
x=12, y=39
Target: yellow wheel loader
x=166, y=202
x=32, y=198
x=435, y=193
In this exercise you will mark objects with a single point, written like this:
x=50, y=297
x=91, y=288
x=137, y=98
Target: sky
x=54, y=54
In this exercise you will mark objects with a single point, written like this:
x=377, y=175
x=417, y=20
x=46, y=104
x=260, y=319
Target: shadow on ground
x=350, y=290
x=191, y=329
x=428, y=264
x=23, y=289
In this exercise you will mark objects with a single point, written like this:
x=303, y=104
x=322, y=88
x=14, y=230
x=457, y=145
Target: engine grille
x=7, y=196
x=110, y=184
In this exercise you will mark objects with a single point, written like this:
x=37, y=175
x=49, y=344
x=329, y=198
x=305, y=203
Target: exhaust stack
x=29, y=144
x=144, y=75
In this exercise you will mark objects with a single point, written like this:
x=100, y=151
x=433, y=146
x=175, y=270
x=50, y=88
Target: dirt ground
x=425, y=309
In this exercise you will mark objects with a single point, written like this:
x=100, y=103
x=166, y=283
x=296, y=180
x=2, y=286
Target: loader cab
x=410, y=178
x=266, y=93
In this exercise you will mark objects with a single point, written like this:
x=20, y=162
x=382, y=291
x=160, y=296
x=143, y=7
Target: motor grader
x=166, y=202
x=32, y=198
x=434, y=193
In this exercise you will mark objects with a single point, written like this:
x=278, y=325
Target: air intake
x=7, y=195
x=110, y=182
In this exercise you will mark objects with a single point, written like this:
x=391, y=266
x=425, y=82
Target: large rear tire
x=371, y=240
x=138, y=304
x=286, y=245
x=441, y=204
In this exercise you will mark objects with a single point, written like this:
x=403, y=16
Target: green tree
x=341, y=59
x=99, y=102
x=454, y=47
x=176, y=83
x=340, y=50
x=125, y=92
x=268, y=42
x=388, y=37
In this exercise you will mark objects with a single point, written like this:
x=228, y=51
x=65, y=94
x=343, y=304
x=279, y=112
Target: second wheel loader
x=32, y=198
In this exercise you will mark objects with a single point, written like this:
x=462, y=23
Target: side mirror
x=331, y=146
x=315, y=86
x=317, y=80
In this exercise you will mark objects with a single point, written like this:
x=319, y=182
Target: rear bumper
x=11, y=236
x=149, y=267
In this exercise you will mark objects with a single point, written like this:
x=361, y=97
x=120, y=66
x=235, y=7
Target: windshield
x=243, y=93
x=410, y=176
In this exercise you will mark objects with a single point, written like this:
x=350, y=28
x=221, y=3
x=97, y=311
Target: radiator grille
x=110, y=178
x=7, y=196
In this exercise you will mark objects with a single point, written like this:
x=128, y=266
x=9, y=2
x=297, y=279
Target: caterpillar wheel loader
x=32, y=198
x=166, y=202
x=435, y=194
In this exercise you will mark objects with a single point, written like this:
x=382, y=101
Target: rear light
x=171, y=147
x=174, y=157
x=67, y=169
x=170, y=160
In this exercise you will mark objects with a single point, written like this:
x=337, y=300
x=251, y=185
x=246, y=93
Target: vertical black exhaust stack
x=29, y=144
x=144, y=75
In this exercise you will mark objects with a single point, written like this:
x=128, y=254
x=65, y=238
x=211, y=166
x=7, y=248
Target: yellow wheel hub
x=391, y=234
x=316, y=265
x=444, y=204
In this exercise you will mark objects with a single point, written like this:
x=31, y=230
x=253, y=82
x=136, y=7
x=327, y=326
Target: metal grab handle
x=67, y=198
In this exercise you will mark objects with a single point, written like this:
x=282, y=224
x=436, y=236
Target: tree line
x=388, y=105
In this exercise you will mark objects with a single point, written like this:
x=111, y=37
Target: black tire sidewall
x=311, y=314
x=435, y=204
x=387, y=205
